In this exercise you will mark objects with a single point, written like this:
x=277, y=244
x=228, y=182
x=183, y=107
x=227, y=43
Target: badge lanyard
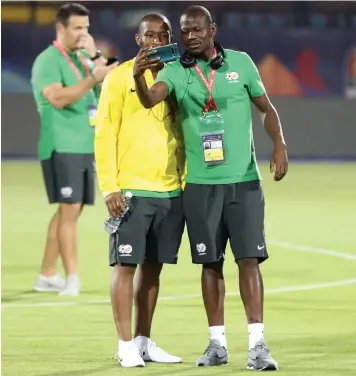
x=91, y=108
x=74, y=68
x=170, y=104
x=209, y=85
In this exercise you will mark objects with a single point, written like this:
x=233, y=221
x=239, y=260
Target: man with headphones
x=223, y=199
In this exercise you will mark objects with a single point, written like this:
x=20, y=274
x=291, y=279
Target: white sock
x=141, y=342
x=44, y=277
x=218, y=333
x=255, y=334
x=125, y=345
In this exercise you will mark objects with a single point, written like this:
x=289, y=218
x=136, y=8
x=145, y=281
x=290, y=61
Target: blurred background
x=305, y=51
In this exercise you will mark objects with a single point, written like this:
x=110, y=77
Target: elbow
x=146, y=101
x=147, y=105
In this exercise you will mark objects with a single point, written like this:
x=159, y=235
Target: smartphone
x=112, y=60
x=166, y=53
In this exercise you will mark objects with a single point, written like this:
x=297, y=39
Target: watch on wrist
x=97, y=55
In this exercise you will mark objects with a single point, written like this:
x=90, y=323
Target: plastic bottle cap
x=128, y=194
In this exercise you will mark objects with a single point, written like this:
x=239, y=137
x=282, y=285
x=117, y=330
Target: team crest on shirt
x=232, y=76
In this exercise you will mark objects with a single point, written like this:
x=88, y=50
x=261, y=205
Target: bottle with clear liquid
x=112, y=224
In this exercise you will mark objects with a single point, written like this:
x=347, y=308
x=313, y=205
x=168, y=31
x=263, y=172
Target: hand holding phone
x=144, y=61
x=166, y=54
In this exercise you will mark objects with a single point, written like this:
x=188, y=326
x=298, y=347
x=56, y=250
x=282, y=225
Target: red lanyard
x=75, y=69
x=170, y=104
x=209, y=85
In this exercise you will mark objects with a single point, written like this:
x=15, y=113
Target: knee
x=248, y=264
x=149, y=269
x=149, y=273
x=70, y=212
x=214, y=269
x=124, y=271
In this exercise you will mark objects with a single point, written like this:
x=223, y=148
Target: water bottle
x=112, y=224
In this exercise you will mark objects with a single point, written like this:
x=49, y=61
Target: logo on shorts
x=66, y=192
x=232, y=76
x=125, y=250
x=201, y=248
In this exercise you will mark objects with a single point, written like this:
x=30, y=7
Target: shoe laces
x=261, y=346
x=152, y=346
x=210, y=349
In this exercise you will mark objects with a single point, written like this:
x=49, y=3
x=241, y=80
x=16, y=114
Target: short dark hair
x=198, y=10
x=70, y=9
x=155, y=16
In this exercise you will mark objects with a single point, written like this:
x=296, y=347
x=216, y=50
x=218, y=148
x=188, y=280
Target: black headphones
x=188, y=61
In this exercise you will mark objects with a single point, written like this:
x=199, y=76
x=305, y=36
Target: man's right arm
x=47, y=79
x=59, y=96
x=107, y=127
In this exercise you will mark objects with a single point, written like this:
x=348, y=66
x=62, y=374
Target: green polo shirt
x=234, y=82
x=64, y=130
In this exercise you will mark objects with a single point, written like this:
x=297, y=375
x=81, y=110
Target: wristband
x=97, y=55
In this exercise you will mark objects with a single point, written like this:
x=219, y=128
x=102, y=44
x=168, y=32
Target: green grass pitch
x=310, y=303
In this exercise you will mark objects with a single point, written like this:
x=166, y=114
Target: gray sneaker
x=259, y=358
x=214, y=355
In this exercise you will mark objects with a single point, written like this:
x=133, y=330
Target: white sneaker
x=153, y=353
x=72, y=286
x=129, y=356
x=46, y=284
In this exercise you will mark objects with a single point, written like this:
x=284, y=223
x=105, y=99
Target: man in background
x=138, y=150
x=65, y=78
x=223, y=198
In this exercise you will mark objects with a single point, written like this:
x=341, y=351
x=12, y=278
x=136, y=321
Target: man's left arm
x=270, y=120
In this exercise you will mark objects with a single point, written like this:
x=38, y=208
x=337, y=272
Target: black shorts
x=70, y=178
x=216, y=213
x=151, y=231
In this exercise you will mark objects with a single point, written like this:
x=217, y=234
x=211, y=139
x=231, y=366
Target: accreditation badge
x=92, y=107
x=212, y=137
x=92, y=111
